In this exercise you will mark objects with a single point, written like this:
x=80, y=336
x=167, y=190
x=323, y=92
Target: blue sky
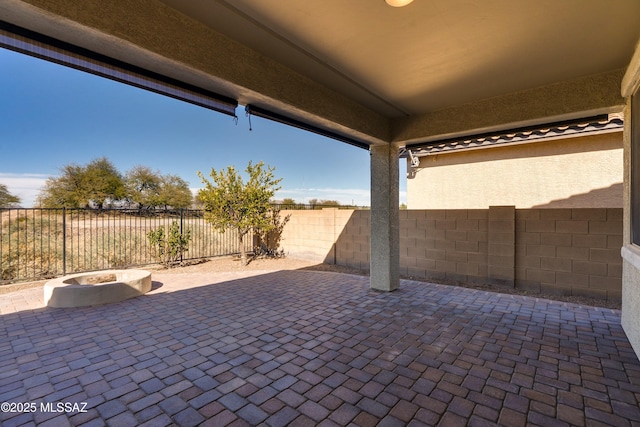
x=52, y=115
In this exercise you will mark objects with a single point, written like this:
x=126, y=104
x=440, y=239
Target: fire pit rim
x=73, y=290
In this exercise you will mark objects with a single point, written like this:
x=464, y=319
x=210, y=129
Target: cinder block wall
x=570, y=251
x=444, y=244
x=352, y=242
x=312, y=235
x=559, y=251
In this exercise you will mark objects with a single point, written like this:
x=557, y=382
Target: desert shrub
x=168, y=246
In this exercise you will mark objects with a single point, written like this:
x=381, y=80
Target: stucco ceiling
x=364, y=70
x=431, y=54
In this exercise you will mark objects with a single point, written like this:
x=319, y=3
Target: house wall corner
x=630, y=252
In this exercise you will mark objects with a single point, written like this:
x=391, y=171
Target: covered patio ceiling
x=363, y=69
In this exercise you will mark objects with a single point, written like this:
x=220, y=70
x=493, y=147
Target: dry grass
x=31, y=242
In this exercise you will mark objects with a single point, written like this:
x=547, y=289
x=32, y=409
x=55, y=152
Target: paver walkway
x=306, y=348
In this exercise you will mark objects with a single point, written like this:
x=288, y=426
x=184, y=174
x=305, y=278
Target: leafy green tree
x=229, y=202
x=149, y=189
x=288, y=201
x=67, y=190
x=7, y=200
x=103, y=182
x=96, y=184
x=143, y=186
x=174, y=192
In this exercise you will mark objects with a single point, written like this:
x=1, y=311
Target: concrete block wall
x=353, y=241
x=444, y=244
x=570, y=251
x=560, y=251
x=502, y=251
x=312, y=235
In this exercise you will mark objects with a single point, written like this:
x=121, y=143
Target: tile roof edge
x=613, y=123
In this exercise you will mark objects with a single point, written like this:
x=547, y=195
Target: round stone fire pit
x=98, y=287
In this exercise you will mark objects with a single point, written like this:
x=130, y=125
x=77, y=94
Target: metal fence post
x=181, y=220
x=64, y=241
x=100, y=241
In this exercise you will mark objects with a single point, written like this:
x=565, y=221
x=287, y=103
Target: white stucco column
x=385, y=230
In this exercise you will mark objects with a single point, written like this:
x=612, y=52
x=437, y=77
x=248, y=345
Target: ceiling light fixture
x=398, y=3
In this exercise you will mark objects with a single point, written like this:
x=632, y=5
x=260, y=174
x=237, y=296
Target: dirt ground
x=225, y=264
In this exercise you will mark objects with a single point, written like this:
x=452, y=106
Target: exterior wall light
x=398, y=3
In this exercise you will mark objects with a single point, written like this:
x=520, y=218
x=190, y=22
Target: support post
x=385, y=230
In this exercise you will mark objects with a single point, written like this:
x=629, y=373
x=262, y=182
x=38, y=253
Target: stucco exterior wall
x=630, y=253
x=631, y=301
x=580, y=172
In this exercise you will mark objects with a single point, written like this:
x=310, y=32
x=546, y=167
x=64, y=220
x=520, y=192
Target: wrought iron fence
x=317, y=206
x=45, y=243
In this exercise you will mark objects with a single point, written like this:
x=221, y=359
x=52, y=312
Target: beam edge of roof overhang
x=568, y=100
x=127, y=31
x=631, y=79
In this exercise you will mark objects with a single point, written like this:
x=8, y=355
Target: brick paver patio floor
x=306, y=348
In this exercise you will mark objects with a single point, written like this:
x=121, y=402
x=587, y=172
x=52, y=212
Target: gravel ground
x=233, y=264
